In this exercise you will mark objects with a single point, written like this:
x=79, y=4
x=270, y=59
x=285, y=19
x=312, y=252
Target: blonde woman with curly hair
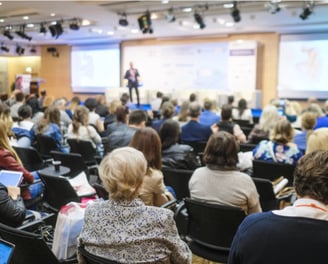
x=123, y=229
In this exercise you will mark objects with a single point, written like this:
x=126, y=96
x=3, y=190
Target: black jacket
x=12, y=212
x=179, y=156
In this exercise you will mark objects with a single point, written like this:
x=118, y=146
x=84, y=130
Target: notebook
x=6, y=251
x=11, y=178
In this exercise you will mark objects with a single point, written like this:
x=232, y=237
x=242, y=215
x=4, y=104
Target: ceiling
x=104, y=17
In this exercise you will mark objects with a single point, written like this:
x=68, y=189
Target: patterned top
x=283, y=154
x=131, y=232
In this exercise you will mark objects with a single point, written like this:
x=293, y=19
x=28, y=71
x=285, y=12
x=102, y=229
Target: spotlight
x=273, y=7
x=33, y=50
x=74, y=25
x=170, y=16
x=199, y=20
x=7, y=34
x=307, y=11
x=145, y=23
x=56, y=30
x=43, y=29
x=4, y=48
x=19, y=50
x=235, y=13
x=21, y=33
x=123, y=21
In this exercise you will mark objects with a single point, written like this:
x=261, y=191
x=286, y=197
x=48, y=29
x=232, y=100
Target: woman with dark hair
x=220, y=181
x=280, y=148
x=153, y=189
x=242, y=112
x=23, y=127
x=175, y=155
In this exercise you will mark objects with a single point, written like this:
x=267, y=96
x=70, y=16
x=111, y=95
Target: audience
x=23, y=128
x=101, y=107
x=167, y=112
x=308, y=122
x=152, y=191
x=226, y=124
x=111, y=117
x=94, y=118
x=175, y=155
x=220, y=181
x=124, y=229
x=322, y=121
x=280, y=148
x=317, y=140
x=208, y=117
x=242, y=112
x=262, y=130
x=194, y=131
x=272, y=237
x=75, y=101
x=19, y=101
x=183, y=116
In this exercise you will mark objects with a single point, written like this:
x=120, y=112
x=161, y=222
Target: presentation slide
x=95, y=68
x=303, y=67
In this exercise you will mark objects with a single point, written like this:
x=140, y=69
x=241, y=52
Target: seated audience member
x=322, y=121
x=156, y=104
x=193, y=130
x=111, y=117
x=220, y=181
x=308, y=123
x=175, y=155
x=268, y=120
x=152, y=191
x=226, y=124
x=37, y=113
x=23, y=128
x=121, y=120
x=75, y=101
x=12, y=209
x=293, y=111
x=271, y=237
x=50, y=126
x=19, y=101
x=183, y=116
x=65, y=120
x=167, y=112
x=317, y=140
x=80, y=128
x=101, y=107
x=123, y=228
x=208, y=117
x=122, y=136
x=242, y=112
x=94, y=118
x=280, y=148
x=192, y=98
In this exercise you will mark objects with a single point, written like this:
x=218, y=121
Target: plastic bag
x=68, y=228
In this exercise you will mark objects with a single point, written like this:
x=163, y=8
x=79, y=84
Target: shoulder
x=253, y=221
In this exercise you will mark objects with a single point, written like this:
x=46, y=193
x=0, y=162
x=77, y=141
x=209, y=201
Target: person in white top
x=242, y=112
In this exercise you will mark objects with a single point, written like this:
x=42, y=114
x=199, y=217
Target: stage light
x=123, y=21
x=170, y=17
x=7, y=34
x=19, y=50
x=21, y=33
x=74, y=25
x=235, y=13
x=307, y=11
x=199, y=20
x=43, y=29
x=145, y=23
x=4, y=48
x=273, y=7
x=33, y=50
x=56, y=30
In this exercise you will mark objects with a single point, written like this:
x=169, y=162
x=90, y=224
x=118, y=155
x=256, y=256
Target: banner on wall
x=242, y=65
x=23, y=82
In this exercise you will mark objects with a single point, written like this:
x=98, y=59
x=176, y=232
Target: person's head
x=208, y=105
x=121, y=114
x=221, y=150
x=282, y=132
x=317, y=140
x=113, y=106
x=122, y=172
x=148, y=142
x=137, y=118
x=6, y=117
x=268, y=118
x=90, y=103
x=24, y=112
x=231, y=99
x=52, y=115
x=4, y=141
x=32, y=101
x=308, y=120
x=131, y=64
x=311, y=176
x=43, y=93
x=184, y=111
x=325, y=107
x=60, y=103
x=80, y=118
x=242, y=105
x=48, y=101
x=75, y=101
x=19, y=97
x=226, y=112
x=125, y=98
x=101, y=99
x=316, y=109
x=159, y=94
x=194, y=110
x=192, y=97
x=167, y=110
x=169, y=133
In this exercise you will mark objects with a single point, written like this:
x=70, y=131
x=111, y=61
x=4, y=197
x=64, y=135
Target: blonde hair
x=309, y=120
x=283, y=132
x=122, y=172
x=4, y=141
x=318, y=140
x=269, y=118
x=6, y=118
x=80, y=118
x=113, y=106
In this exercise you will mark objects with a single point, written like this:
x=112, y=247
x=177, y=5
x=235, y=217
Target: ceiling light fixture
x=200, y=21
x=170, y=17
x=145, y=23
x=74, y=25
x=43, y=29
x=21, y=33
x=4, y=48
x=123, y=20
x=307, y=10
x=7, y=34
x=56, y=30
x=235, y=13
x=273, y=7
x=19, y=50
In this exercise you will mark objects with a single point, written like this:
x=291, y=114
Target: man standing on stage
x=132, y=75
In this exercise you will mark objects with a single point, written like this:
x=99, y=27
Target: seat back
x=30, y=158
x=245, y=147
x=212, y=225
x=273, y=170
x=84, y=148
x=74, y=161
x=45, y=145
x=198, y=146
x=268, y=199
x=29, y=247
x=178, y=179
x=58, y=191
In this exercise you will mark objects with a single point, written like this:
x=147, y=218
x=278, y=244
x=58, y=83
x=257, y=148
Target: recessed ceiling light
x=0, y=3
x=154, y=16
x=228, y=5
x=52, y=14
x=25, y=17
x=187, y=9
x=2, y=20
x=229, y=24
x=110, y=33
x=30, y=25
x=134, y=31
x=85, y=22
x=165, y=1
x=196, y=26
